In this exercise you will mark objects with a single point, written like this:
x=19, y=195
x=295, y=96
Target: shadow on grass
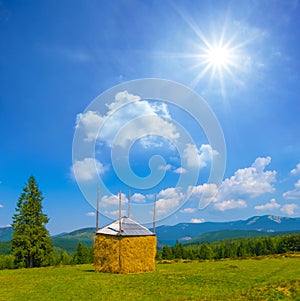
x=87, y=271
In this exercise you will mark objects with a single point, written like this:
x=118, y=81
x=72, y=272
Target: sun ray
x=197, y=79
x=219, y=57
x=193, y=26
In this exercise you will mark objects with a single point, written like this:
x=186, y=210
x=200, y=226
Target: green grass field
x=251, y=279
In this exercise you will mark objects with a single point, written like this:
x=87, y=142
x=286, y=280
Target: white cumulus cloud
x=230, y=204
x=90, y=122
x=293, y=194
x=296, y=170
x=115, y=212
x=194, y=157
x=112, y=200
x=90, y=214
x=289, y=209
x=167, y=200
x=122, y=98
x=165, y=167
x=188, y=210
x=128, y=111
x=246, y=183
x=206, y=192
x=252, y=181
x=268, y=206
x=180, y=170
x=197, y=220
x=138, y=198
x=1, y=206
x=87, y=169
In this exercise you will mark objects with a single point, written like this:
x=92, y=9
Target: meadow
x=263, y=278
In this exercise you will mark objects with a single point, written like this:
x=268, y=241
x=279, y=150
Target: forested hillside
x=245, y=247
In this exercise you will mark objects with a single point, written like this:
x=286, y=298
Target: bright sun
x=218, y=57
x=219, y=60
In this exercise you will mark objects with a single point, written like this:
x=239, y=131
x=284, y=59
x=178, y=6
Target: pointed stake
x=120, y=213
x=154, y=214
x=128, y=211
x=97, y=209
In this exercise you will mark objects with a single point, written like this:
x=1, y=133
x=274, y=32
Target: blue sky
x=241, y=57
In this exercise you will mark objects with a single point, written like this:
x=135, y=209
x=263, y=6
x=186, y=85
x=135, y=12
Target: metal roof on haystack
x=128, y=228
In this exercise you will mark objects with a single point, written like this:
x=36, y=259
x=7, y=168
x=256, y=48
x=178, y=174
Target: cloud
x=90, y=122
x=165, y=167
x=251, y=181
x=180, y=170
x=90, y=214
x=127, y=112
x=112, y=200
x=167, y=200
x=169, y=193
x=87, y=169
x=199, y=158
x=115, y=212
x=188, y=210
x=296, y=170
x=293, y=194
x=289, y=209
x=164, y=206
x=205, y=192
x=138, y=198
x=268, y=206
x=230, y=204
x=197, y=220
x=151, y=141
x=150, y=126
x=122, y=98
x=246, y=183
x=1, y=206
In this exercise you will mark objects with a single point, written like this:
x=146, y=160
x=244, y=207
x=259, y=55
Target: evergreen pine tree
x=81, y=254
x=31, y=242
x=167, y=252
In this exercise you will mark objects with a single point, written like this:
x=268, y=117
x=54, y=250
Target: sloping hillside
x=70, y=240
x=6, y=233
x=232, y=234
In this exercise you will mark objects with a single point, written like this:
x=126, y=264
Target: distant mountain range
x=184, y=232
x=262, y=224
x=6, y=233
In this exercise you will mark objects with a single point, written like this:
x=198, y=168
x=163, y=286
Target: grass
x=251, y=279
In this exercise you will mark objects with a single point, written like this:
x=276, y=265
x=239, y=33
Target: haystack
x=131, y=250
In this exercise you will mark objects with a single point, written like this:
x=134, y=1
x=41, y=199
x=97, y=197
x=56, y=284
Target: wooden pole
x=128, y=211
x=97, y=209
x=120, y=230
x=120, y=213
x=154, y=214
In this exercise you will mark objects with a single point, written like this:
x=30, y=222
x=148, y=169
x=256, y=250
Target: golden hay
x=124, y=254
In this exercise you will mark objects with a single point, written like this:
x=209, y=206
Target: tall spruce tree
x=31, y=242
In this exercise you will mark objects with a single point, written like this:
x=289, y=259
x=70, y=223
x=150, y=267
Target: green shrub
x=7, y=262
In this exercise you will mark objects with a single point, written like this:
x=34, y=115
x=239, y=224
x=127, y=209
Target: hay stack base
x=124, y=254
x=124, y=247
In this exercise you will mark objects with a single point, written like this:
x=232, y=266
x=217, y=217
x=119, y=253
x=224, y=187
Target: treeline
x=82, y=255
x=235, y=248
